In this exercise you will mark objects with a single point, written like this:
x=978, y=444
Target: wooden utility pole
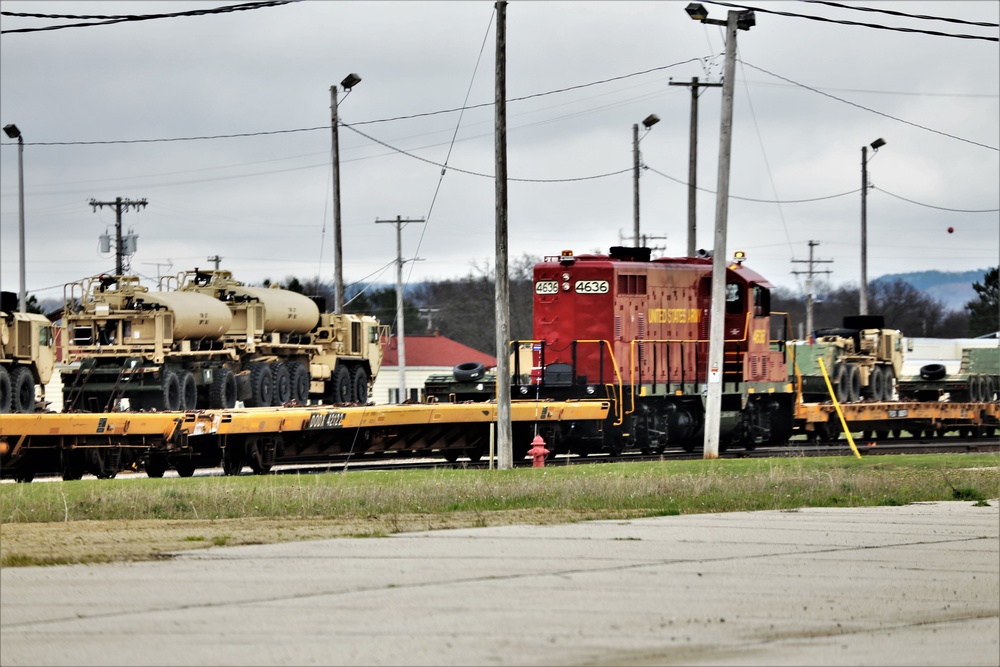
x=400, y=328
x=809, y=282
x=120, y=205
x=505, y=437
x=215, y=259
x=693, y=162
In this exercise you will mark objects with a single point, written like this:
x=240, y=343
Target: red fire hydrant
x=538, y=452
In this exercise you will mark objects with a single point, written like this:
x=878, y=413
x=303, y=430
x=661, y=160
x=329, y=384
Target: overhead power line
x=940, y=208
x=935, y=33
x=861, y=106
x=891, y=12
x=95, y=20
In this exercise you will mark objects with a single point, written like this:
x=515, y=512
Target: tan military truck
x=27, y=356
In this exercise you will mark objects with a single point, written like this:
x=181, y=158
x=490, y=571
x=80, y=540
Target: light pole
x=348, y=83
x=736, y=20
x=877, y=144
x=15, y=133
x=651, y=120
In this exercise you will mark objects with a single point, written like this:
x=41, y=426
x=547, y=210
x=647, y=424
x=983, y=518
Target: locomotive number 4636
x=591, y=286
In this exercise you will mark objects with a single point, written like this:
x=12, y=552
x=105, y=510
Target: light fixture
x=651, y=120
x=12, y=131
x=350, y=81
x=697, y=11
x=878, y=143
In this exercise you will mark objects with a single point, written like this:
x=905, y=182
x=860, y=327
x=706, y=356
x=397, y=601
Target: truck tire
x=854, y=383
x=261, y=384
x=888, y=383
x=933, y=372
x=839, y=380
x=469, y=371
x=4, y=391
x=170, y=392
x=299, y=380
x=189, y=391
x=222, y=393
x=22, y=390
x=282, y=384
x=359, y=384
x=875, y=381
x=340, y=385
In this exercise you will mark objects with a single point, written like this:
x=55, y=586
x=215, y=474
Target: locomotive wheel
x=189, y=391
x=359, y=384
x=155, y=466
x=222, y=393
x=299, y=381
x=340, y=390
x=261, y=384
x=282, y=384
x=22, y=390
x=4, y=390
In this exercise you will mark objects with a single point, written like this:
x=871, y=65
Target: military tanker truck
x=27, y=356
x=862, y=359
x=208, y=343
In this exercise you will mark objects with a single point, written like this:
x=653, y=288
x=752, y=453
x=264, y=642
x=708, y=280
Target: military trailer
x=977, y=379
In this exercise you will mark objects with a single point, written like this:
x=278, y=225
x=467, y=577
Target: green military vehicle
x=977, y=379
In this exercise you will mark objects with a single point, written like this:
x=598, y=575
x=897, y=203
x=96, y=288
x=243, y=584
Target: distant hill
x=953, y=288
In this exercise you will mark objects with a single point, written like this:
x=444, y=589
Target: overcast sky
x=809, y=94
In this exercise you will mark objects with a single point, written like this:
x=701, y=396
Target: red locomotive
x=636, y=331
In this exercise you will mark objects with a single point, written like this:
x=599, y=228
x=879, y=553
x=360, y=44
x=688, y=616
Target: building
x=425, y=355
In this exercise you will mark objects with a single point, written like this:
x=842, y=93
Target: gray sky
x=808, y=96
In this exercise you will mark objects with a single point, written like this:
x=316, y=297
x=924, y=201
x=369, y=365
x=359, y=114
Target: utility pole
x=646, y=239
x=215, y=259
x=809, y=282
x=693, y=161
x=400, y=328
x=428, y=314
x=505, y=436
x=120, y=205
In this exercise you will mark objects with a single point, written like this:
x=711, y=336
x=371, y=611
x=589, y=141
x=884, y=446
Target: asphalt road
x=914, y=585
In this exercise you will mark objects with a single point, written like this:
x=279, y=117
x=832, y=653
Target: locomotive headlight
x=565, y=276
x=565, y=287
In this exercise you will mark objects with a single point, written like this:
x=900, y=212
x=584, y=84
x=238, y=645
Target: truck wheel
x=359, y=381
x=282, y=384
x=888, y=379
x=839, y=379
x=875, y=381
x=341, y=385
x=4, y=391
x=299, y=381
x=854, y=383
x=261, y=384
x=22, y=390
x=222, y=393
x=189, y=390
x=171, y=392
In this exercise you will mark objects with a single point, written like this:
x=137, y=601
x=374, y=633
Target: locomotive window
x=761, y=301
x=631, y=284
x=734, y=298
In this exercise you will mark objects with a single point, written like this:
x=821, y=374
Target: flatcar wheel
x=451, y=455
x=185, y=467
x=25, y=472
x=155, y=466
x=71, y=464
x=474, y=454
x=232, y=460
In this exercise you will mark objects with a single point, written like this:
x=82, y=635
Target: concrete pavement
x=914, y=585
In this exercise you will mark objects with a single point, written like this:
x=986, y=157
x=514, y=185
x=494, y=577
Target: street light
x=650, y=120
x=15, y=133
x=877, y=144
x=348, y=83
x=736, y=20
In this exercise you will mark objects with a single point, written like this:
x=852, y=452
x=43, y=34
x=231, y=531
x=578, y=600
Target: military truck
x=27, y=356
x=977, y=379
x=862, y=359
x=208, y=343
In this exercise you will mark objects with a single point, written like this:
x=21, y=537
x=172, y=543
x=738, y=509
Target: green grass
x=632, y=489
